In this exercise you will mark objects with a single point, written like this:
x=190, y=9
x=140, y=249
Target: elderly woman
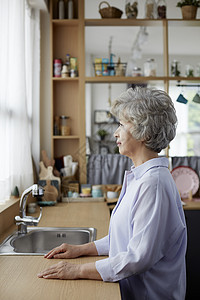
x=146, y=243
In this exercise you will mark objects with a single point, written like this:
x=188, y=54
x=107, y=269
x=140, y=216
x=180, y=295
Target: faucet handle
x=40, y=216
x=28, y=220
x=35, y=221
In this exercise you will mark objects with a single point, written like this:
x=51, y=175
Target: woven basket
x=189, y=12
x=110, y=11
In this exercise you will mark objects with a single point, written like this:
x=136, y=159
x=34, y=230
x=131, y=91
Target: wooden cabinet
x=192, y=255
x=68, y=94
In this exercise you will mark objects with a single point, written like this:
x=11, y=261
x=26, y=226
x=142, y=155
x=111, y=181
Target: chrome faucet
x=22, y=220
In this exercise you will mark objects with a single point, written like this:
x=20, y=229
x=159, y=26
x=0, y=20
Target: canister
x=150, y=67
x=57, y=66
x=64, y=128
x=97, y=191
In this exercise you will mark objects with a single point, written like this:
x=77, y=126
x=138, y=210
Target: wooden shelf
x=122, y=79
x=66, y=137
x=64, y=22
x=141, y=22
x=123, y=22
x=181, y=22
x=65, y=79
x=139, y=79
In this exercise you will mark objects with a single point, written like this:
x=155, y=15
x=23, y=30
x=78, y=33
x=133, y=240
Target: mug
x=181, y=99
x=32, y=208
x=196, y=98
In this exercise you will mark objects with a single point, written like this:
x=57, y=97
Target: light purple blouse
x=147, y=236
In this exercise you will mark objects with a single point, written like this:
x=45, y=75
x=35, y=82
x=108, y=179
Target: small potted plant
x=102, y=133
x=189, y=8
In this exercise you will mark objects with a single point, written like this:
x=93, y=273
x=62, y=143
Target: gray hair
x=152, y=114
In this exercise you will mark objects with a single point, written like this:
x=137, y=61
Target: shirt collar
x=152, y=163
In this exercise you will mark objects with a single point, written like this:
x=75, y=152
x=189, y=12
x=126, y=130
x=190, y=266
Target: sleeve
x=150, y=236
x=102, y=245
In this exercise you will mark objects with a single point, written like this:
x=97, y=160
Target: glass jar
x=131, y=9
x=64, y=129
x=161, y=9
x=136, y=72
x=150, y=67
x=150, y=9
x=189, y=71
x=175, y=68
x=198, y=70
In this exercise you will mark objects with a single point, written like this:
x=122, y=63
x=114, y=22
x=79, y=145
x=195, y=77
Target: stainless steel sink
x=40, y=240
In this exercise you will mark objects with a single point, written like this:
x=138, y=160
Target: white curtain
x=19, y=89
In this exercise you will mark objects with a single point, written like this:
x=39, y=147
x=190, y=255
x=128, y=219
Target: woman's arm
x=99, y=247
x=65, y=270
x=72, y=251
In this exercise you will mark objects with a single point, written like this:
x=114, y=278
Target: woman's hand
x=61, y=270
x=72, y=251
x=64, y=251
x=65, y=270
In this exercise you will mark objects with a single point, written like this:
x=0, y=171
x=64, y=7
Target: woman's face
x=127, y=144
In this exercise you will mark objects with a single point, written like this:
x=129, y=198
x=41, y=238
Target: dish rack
x=110, y=69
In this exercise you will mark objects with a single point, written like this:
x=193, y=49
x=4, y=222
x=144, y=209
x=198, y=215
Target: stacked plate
x=187, y=181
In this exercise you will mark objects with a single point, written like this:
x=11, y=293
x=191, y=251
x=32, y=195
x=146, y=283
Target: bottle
x=150, y=9
x=61, y=9
x=175, y=68
x=67, y=63
x=70, y=6
x=119, y=68
x=111, y=66
x=57, y=65
x=64, y=72
x=161, y=9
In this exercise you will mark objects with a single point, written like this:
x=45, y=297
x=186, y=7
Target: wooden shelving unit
x=68, y=94
x=67, y=36
x=116, y=79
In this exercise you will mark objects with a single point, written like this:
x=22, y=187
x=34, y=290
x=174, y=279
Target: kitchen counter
x=193, y=204
x=19, y=273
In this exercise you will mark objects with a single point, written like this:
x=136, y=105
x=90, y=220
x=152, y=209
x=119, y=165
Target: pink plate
x=186, y=180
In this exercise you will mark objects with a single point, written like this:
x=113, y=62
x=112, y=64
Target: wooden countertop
x=193, y=204
x=19, y=273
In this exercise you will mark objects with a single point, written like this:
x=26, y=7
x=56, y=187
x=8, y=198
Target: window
x=19, y=80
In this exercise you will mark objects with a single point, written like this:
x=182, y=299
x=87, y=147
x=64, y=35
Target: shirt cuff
x=104, y=268
x=102, y=246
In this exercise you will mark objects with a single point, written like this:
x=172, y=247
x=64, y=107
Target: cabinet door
x=193, y=254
